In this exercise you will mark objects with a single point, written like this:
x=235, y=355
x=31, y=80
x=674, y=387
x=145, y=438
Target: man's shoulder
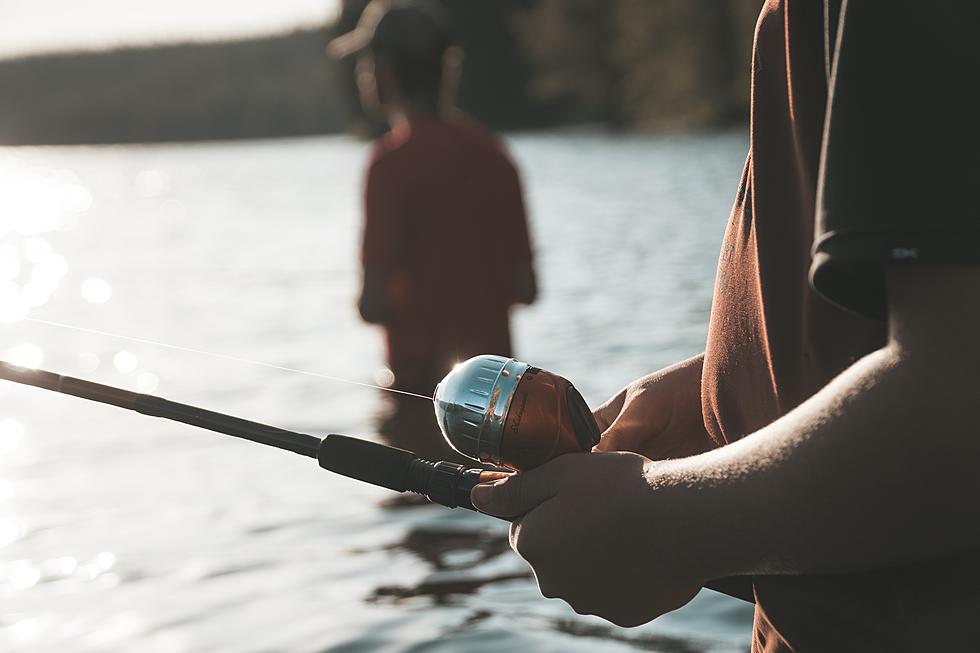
x=434, y=138
x=387, y=155
x=479, y=135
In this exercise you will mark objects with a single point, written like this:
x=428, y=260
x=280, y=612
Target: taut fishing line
x=228, y=357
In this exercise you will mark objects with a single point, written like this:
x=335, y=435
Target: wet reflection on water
x=456, y=551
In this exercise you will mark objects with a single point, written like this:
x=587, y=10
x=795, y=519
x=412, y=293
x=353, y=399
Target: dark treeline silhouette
x=647, y=64
x=273, y=86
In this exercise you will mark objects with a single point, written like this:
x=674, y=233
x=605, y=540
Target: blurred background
x=191, y=172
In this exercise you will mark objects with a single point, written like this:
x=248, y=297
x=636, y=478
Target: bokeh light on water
x=96, y=290
x=25, y=354
x=36, y=200
x=125, y=361
x=120, y=532
x=88, y=362
x=147, y=382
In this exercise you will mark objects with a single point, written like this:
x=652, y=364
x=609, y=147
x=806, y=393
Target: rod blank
x=305, y=445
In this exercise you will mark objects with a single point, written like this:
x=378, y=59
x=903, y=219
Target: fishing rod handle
x=445, y=483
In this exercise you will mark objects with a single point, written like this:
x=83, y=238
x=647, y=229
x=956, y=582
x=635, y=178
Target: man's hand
x=591, y=531
x=527, y=285
x=371, y=303
x=658, y=416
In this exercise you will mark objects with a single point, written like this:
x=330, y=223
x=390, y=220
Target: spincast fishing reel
x=507, y=413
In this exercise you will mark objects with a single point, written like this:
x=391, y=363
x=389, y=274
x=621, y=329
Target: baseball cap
x=403, y=27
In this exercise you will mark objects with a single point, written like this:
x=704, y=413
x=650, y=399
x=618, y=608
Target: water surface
x=124, y=533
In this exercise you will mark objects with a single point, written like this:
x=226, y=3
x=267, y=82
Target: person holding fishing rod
x=441, y=194
x=824, y=446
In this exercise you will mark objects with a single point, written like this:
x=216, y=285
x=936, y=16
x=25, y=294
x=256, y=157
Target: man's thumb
x=618, y=437
x=513, y=496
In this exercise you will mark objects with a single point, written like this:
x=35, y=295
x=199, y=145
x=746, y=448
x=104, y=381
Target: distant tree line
x=275, y=86
x=647, y=64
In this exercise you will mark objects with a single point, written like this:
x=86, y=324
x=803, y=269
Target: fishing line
x=237, y=359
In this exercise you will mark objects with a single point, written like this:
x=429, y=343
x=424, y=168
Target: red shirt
x=888, y=158
x=445, y=222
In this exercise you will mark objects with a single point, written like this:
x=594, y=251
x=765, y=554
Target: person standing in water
x=445, y=251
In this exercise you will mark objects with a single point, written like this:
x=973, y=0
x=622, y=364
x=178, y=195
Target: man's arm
x=371, y=303
x=383, y=238
x=512, y=226
x=527, y=283
x=875, y=470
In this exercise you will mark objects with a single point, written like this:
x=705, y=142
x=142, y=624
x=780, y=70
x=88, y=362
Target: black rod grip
x=366, y=461
x=442, y=482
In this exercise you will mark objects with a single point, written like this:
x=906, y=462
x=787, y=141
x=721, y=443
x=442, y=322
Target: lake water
x=120, y=532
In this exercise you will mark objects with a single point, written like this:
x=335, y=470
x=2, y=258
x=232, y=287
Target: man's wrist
x=669, y=505
x=692, y=523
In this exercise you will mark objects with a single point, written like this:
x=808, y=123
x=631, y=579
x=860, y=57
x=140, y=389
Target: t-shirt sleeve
x=384, y=217
x=900, y=160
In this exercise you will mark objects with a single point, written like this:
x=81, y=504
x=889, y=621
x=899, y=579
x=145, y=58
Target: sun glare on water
x=25, y=355
x=11, y=434
x=36, y=201
x=125, y=362
x=96, y=291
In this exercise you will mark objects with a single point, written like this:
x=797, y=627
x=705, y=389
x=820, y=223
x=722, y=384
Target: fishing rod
x=493, y=409
x=442, y=482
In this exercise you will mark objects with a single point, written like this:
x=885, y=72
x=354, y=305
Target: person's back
x=446, y=249
x=445, y=218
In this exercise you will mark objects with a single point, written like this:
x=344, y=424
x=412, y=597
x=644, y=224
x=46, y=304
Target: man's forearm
x=877, y=469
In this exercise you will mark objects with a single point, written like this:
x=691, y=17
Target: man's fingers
x=620, y=437
x=607, y=413
x=603, y=417
x=517, y=494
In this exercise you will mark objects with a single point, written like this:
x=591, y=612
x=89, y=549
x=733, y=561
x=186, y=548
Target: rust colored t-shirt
x=445, y=221
x=889, y=160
